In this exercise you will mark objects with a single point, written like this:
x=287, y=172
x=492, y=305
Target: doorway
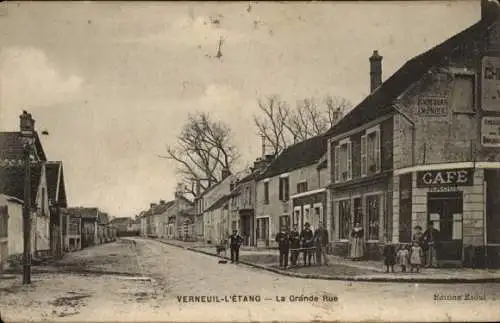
x=445, y=210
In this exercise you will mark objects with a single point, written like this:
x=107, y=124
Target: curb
x=424, y=280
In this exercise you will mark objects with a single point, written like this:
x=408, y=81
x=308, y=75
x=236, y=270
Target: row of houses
x=55, y=228
x=169, y=219
x=423, y=146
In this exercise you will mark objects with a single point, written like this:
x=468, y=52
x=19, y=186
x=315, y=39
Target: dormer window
x=370, y=152
x=343, y=161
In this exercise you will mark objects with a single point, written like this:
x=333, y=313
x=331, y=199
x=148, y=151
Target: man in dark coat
x=389, y=255
x=321, y=242
x=307, y=238
x=235, y=241
x=283, y=240
x=431, y=245
x=294, y=244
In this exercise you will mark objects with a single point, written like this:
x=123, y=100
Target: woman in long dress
x=357, y=245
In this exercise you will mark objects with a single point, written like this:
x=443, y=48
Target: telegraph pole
x=27, y=134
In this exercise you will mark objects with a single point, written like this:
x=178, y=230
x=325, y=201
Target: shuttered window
x=363, y=156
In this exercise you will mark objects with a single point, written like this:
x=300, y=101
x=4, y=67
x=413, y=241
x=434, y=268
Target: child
x=403, y=257
x=389, y=256
x=416, y=257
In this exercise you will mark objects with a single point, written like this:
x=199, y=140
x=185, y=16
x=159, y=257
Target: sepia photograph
x=247, y=161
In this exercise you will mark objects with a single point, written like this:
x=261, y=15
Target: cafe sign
x=490, y=84
x=446, y=177
x=433, y=106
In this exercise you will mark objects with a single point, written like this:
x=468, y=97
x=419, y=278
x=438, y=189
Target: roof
x=56, y=187
x=12, y=146
x=122, y=220
x=296, y=156
x=84, y=212
x=12, y=181
x=218, y=204
x=379, y=103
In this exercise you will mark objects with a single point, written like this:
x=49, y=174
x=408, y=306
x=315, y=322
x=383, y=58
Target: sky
x=113, y=82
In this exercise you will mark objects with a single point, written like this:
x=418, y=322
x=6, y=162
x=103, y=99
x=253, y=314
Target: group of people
x=308, y=242
x=422, y=252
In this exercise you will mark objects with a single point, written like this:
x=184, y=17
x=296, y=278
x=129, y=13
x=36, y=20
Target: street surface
x=143, y=280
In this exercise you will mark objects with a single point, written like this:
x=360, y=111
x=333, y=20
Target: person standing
x=283, y=240
x=321, y=242
x=307, y=236
x=430, y=245
x=295, y=245
x=357, y=245
x=235, y=241
x=389, y=255
x=415, y=257
x=403, y=256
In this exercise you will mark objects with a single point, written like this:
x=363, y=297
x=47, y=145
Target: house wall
x=276, y=208
x=449, y=140
x=15, y=226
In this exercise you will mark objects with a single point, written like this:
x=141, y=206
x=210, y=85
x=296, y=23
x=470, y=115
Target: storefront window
x=344, y=212
x=493, y=205
x=285, y=222
x=373, y=212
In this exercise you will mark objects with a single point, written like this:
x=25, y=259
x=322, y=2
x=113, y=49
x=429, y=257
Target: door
x=445, y=210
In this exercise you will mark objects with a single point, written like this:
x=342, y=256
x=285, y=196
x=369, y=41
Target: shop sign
x=490, y=84
x=490, y=132
x=443, y=189
x=446, y=177
x=433, y=106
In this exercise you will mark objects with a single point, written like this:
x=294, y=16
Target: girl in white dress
x=416, y=257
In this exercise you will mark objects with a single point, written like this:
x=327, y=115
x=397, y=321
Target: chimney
x=263, y=145
x=225, y=173
x=375, y=71
x=490, y=10
x=162, y=202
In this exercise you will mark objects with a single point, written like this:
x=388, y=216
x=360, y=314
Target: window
x=307, y=215
x=234, y=225
x=266, y=192
x=43, y=202
x=344, y=212
x=285, y=222
x=370, y=152
x=463, y=94
x=302, y=187
x=343, y=161
x=4, y=221
x=317, y=217
x=297, y=217
x=263, y=228
x=284, y=189
x=248, y=196
x=373, y=213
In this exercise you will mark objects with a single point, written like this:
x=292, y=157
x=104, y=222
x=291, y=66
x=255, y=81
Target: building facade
x=290, y=172
x=423, y=148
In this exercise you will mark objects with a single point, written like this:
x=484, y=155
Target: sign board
x=490, y=84
x=433, y=106
x=446, y=177
x=490, y=131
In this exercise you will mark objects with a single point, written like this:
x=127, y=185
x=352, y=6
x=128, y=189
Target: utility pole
x=27, y=133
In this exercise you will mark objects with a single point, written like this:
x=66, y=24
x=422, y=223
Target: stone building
x=423, y=147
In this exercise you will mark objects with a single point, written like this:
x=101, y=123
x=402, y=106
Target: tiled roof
x=121, y=220
x=12, y=181
x=84, y=212
x=379, y=103
x=296, y=156
x=12, y=146
x=218, y=204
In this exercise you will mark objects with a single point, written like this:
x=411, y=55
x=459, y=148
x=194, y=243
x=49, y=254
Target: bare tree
x=281, y=126
x=202, y=151
x=272, y=123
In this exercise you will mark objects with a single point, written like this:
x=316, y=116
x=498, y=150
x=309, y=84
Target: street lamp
x=27, y=125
